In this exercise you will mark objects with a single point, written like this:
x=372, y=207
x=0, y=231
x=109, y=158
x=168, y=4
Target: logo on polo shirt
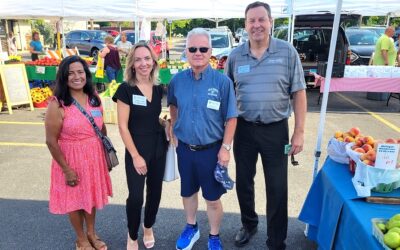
x=213, y=92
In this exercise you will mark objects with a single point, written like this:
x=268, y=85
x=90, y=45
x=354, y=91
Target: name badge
x=243, y=69
x=139, y=100
x=95, y=113
x=213, y=104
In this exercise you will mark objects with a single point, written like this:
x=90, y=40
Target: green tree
x=45, y=29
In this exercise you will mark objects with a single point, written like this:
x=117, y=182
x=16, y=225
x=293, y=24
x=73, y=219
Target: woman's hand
x=71, y=178
x=140, y=165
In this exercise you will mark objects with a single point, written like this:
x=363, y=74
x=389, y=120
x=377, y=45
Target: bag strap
x=90, y=118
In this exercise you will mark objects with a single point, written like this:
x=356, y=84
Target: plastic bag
x=355, y=156
x=367, y=177
x=337, y=151
x=171, y=164
x=100, y=67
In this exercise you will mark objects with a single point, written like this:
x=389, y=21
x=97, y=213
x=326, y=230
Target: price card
x=173, y=71
x=40, y=70
x=386, y=156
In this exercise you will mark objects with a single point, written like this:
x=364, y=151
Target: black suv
x=312, y=37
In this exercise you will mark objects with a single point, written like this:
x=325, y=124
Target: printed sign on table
x=386, y=156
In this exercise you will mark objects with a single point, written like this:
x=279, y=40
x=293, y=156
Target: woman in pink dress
x=80, y=182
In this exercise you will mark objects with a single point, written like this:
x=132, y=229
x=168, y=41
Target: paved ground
x=24, y=181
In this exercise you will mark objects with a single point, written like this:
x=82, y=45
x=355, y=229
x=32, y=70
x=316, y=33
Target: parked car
x=239, y=33
x=155, y=42
x=312, y=37
x=88, y=42
x=244, y=38
x=362, y=45
x=222, y=43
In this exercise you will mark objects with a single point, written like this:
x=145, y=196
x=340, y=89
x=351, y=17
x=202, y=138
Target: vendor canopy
x=127, y=10
x=363, y=7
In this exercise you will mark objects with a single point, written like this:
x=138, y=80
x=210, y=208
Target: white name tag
x=213, y=104
x=139, y=100
x=243, y=69
x=96, y=113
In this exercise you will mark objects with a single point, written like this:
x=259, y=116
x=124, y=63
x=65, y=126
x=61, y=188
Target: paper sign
x=40, y=70
x=386, y=156
x=173, y=71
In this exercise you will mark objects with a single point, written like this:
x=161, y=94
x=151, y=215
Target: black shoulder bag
x=110, y=152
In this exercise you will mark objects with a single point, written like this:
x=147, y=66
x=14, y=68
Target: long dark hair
x=61, y=90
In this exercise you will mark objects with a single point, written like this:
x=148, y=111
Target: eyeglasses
x=194, y=49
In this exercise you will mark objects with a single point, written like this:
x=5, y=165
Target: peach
x=390, y=141
x=348, y=139
x=363, y=157
x=371, y=155
x=366, y=147
x=398, y=141
x=338, y=134
x=369, y=140
x=359, y=150
x=359, y=141
x=346, y=134
x=354, y=131
x=354, y=147
x=367, y=162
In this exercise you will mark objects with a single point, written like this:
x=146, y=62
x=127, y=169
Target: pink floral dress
x=84, y=153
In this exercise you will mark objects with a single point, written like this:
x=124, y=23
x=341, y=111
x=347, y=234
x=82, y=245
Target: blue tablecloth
x=337, y=218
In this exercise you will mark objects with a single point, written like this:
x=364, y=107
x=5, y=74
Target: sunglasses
x=194, y=49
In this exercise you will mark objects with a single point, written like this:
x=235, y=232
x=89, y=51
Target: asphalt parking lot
x=25, y=177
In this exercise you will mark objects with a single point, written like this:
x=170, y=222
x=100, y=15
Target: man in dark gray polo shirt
x=266, y=73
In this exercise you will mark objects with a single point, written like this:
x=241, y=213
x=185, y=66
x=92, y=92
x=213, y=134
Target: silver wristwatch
x=226, y=146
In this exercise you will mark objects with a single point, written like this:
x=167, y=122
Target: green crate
x=49, y=74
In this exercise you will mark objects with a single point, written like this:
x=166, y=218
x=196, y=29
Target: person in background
x=124, y=46
x=112, y=64
x=266, y=72
x=80, y=182
x=398, y=45
x=35, y=46
x=12, y=44
x=203, y=115
x=139, y=102
x=385, y=52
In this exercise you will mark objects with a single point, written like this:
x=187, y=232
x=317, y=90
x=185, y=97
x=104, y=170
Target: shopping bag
x=100, y=67
x=171, y=164
x=337, y=151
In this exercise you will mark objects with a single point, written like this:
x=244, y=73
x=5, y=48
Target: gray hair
x=198, y=32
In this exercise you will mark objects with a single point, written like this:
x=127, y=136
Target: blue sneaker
x=188, y=237
x=214, y=243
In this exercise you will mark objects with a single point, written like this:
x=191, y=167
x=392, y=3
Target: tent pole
x=325, y=95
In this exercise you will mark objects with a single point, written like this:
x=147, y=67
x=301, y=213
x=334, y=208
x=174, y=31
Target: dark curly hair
x=61, y=90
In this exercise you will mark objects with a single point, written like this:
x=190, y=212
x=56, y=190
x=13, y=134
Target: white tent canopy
x=127, y=10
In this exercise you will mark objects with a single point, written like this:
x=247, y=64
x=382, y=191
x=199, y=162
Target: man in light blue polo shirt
x=203, y=116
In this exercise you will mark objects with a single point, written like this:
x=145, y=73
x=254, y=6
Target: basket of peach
x=377, y=165
x=337, y=145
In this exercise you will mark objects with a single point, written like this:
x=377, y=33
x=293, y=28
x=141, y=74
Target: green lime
x=392, y=239
x=382, y=227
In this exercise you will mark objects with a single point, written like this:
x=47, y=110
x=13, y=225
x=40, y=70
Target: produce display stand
x=41, y=72
x=165, y=75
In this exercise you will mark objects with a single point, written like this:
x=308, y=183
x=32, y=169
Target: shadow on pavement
x=27, y=224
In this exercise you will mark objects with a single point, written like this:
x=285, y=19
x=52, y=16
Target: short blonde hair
x=109, y=39
x=130, y=74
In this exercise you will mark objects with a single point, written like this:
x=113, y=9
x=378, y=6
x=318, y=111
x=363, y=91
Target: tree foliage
x=45, y=29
